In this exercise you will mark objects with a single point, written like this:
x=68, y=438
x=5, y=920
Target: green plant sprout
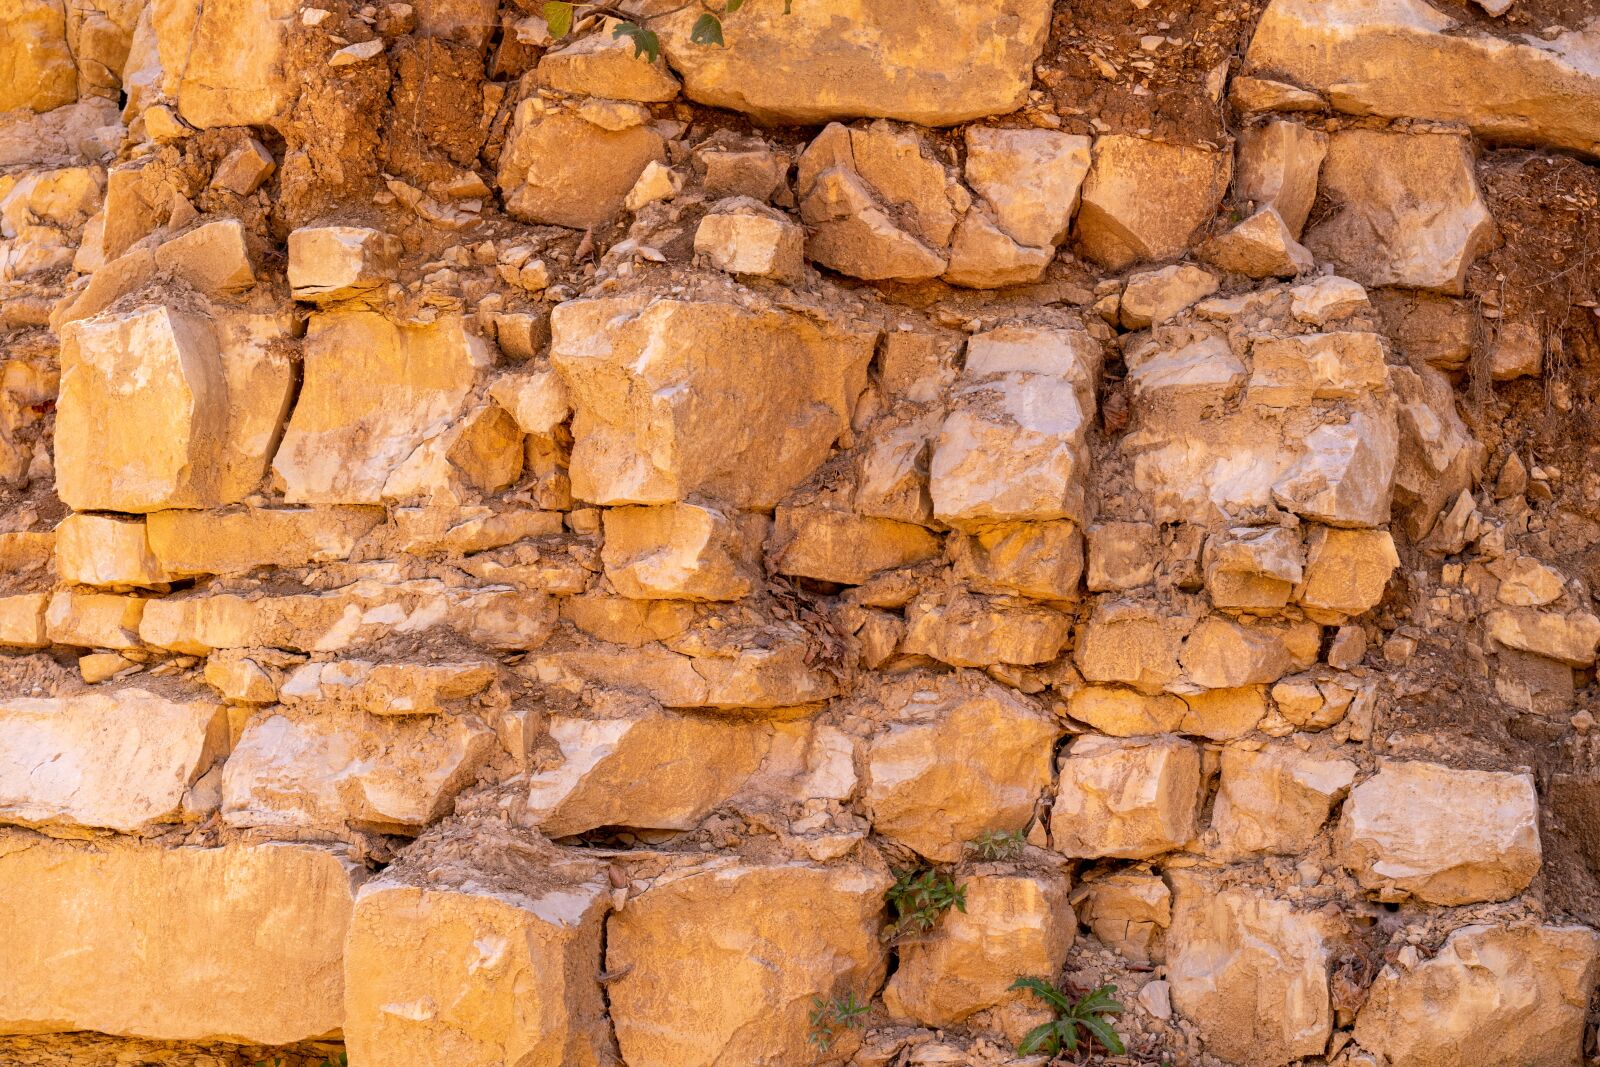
x=560, y=15
x=918, y=897
x=1089, y=1013
x=828, y=1017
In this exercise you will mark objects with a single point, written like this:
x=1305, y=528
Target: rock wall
x=516, y=551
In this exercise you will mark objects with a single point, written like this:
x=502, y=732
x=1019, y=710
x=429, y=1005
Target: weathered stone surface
x=1128, y=912
x=965, y=630
x=192, y=543
x=1345, y=475
x=1122, y=555
x=1145, y=200
x=475, y=977
x=1405, y=58
x=1041, y=560
x=106, y=551
x=22, y=620
x=1014, y=924
x=933, y=65
x=1154, y=296
x=1570, y=638
x=562, y=167
x=681, y=552
x=1029, y=178
x=36, y=67
x=1411, y=214
x=122, y=760
x=737, y=402
x=1492, y=996
x=1275, y=799
x=603, y=65
x=162, y=408
x=1127, y=712
x=744, y=237
x=1253, y=568
x=1131, y=642
x=374, y=394
x=1225, y=653
x=224, y=61
x=1278, y=164
x=93, y=620
x=213, y=257
x=785, y=934
x=1250, y=972
x=634, y=764
x=113, y=938
x=961, y=755
x=830, y=545
x=1346, y=571
x=389, y=688
x=328, y=263
x=1290, y=372
x=1261, y=246
x=1441, y=835
x=394, y=774
x=1131, y=799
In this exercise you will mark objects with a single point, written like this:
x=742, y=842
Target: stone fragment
x=1261, y=246
x=1225, y=653
x=1128, y=912
x=1569, y=638
x=636, y=765
x=1252, y=95
x=951, y=65
x=386, y=688
x=982, y=256
x=1122, y=555
x=1223, y=714
x=1275, y=799
x=756, y=978
x=1127, y=712
x=1029, y=178
x=240, y=680
x=1152, y=297
x=560, y=167
x=1251, y=973
x=1014, y=924
x=1278, y=164
x=1128, y=798
x=817, y=541
x=328, y=263
x=109, y=937
x=321, y=770
x=225, y=62
x=602, y=65
x=965, y=630
x=93, y=620
x=1346, y=571
x=211, y=257
x=1041, y=560
x=1410, y=211
x=191, y=543
x=655, y=182
x=680, y=552
x=107, y=551
x=960, y=755
x=1441, y=835
x=478, y=977
x=538, y=400
x=1407, y=59
x=744, y=237
x=1131, y=642
x=1291, y=372
x=244, y=169
x=161, y=407
x=1325, y=299
x=1525, y=582
x=22, y=620
x=1253, y=568
x=1493, y=996
x=374, y=393
x=699, y=415
x=1345, y=475
x=1145, y=200
x=1517, y=352
x=119, y=760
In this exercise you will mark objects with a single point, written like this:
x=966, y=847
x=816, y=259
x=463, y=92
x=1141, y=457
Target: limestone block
x=537, y=400
x=1126, y=712
x=1276, y=799
x=474, y=977
x=328, y=263
x=892, y=466
x=1325, y=299
x=237, y=540
x=1030, y=179
x=120, y=759
x=244, y=169
x=740, y=403
x=1152, y=297
x=681, y=552
x=240, y=680
x=961, y=755
x=1131, y=642
x=212, y=257
x=1015, y=924
x=1122, y=555
x=1291, y=372
x=1223, y=714
x=1128, y=798
x=1145, y=200
x=1491, y=997
x=93, y=620
x=1346, y=571
x=1251, y=973
x=634, y=764
x=161, y=407
x=982, y=256
x=1441, y=835
x=374, y=393
x=1259, y=247
x=1041, y=560
x=602, y=65
x=1128, y=912
x=112, y=937
x=744, y=237
x=1278, y=164
x=1411, y=214
x=1569, y=638
x=785, y=933
x=1345, y=476
x=325, y=770
x=22, y=620
x=107, y=551
x=1223, y=653
x=966, y=630
x=949, y=64
x=225, y=61
x=1253, y=567
x=561, y=168
x=387, y=688
x=1408, y=59
x=37, y=71
x=1526, y=583
x=831, y=545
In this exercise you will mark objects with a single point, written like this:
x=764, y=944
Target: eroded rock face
x=224, y=60
x=108, y=937
x=785, y=934
x=1127, y=798
x=1276, y=799
x=1492, y=995
x=1441, y=835
x=1144, y=200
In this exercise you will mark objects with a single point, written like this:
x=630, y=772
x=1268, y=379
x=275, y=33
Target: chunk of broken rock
x=1132, y=798
x=1145, y=200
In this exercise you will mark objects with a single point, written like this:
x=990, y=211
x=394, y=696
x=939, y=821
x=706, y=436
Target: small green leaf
x=1104, y=1034
x=558, y=15
x=1041, y=1038
x=707, y=30
x=1044, y=991
x=731, y=6
x=645, y=42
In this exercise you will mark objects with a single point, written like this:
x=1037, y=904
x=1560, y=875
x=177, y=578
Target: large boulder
x=225, y=61
x=1492, y=997
x=720, y=963
x=740, y=401
x=1407, y=59
x=241, y=943
x=931, y=63
x=36, y=67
